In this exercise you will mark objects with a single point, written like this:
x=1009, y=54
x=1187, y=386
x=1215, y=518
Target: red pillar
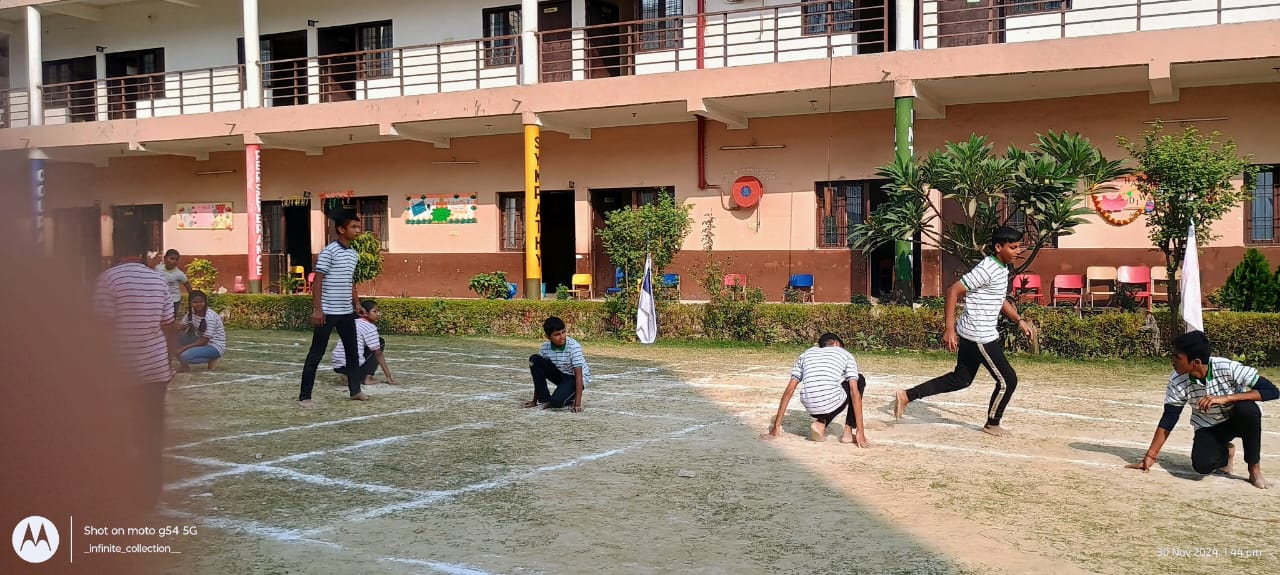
x=253, y=200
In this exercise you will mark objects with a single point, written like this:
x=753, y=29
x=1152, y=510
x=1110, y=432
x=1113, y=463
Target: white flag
x=1191, y=284
x=646, y=314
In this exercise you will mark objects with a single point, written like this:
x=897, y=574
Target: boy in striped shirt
x=371, y=348
x=826, y=371
x=335, y=305
x=1224, y=396
x=560, y=361
x=974, y=336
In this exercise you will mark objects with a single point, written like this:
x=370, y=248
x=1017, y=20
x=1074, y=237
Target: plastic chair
x=1027, y=286
x=802, y=283
x=239, y=286
x=736, y=283
x=1136, y=276
x=1104, y=274
x=1068, y=282
x=511, y=290
x=583, y=280
x=1160, y=275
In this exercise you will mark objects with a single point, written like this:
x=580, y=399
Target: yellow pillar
x=532, y=213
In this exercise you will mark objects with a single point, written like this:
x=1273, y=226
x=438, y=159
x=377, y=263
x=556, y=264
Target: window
x=372, y=212
x=839, y=205
x=376, y=38
x=1025, y=7
x=838, y=17
x=503, y=25
x=1018, y=221
x=661, y=28
x=511, y=224
x=1260, y=209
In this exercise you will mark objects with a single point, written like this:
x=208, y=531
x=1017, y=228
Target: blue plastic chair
x=803, y=283
x=511, y=290
x=671, y=280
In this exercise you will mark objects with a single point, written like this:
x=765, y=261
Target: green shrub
x=490, y=286
x=369, y=264
x=1251, y=286
x=1253, y=337
x=202, y=275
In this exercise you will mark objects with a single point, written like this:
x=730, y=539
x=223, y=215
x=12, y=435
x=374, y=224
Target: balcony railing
x=799, y=31
x=393, y=72
x=947, y=23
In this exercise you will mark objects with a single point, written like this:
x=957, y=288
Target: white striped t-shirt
x=338, y=264
x=136, y=300
x=214, y=329
x=366, y=338
x=175, y=278
x=1225, y=377
x=820, y=371
x=567, y=358
x=986, y=285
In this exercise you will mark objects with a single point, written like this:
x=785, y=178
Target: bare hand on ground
x=1143, y=465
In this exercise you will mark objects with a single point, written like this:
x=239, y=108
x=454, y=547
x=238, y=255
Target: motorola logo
x=35, y=539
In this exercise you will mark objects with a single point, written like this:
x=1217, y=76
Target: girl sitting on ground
x=204, y=338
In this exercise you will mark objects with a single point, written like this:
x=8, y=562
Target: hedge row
x=1252, y=337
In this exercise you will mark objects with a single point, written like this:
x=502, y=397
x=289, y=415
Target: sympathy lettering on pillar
x=257, y=212
x=537, y=198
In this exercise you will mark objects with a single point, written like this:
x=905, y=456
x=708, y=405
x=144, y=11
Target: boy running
x=974, y=336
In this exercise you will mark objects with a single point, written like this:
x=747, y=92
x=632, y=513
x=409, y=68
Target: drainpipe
x=702, y=122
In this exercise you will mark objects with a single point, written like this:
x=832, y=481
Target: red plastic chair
x=737, y=283
x=1139, y=276
x=239, y=286
x=1068, y=282
x=306, y=288
x=1028, y=286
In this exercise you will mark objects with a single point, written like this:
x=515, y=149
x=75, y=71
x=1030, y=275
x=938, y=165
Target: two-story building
x=151, y=126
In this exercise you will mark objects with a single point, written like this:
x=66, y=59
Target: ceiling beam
x=1160, y=80
x=409, y=132
x=162, y=149
x=81, y=11
x=280, y=143
x=731, y=118
x=187, y=3
x=925, y=107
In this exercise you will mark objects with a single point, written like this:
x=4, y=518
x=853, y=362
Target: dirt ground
x=664, y=472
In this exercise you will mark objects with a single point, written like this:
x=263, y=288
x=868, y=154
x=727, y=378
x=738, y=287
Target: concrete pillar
x=35, y=68
x=578, y=9
x=313, y=65
x=37, y=158
x=253, y=201
x=252, y=56
x=529, y=13
x=906, y=26
x=532, y=208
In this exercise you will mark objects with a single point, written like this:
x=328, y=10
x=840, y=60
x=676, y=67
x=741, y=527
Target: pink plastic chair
x=239, y=286
x=1139, y=276
x=1068, y=282
x=1028, y=286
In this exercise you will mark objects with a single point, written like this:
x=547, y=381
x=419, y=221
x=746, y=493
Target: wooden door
x=554, y=20
x=77, y=241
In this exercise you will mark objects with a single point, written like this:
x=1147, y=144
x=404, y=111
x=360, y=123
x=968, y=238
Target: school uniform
x=557, y=366
x=370, y=343
x=338, y=264
x=824, y=374
x=1217, y=427
x=211, y=326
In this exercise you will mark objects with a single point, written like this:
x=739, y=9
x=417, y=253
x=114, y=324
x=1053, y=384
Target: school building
x=148, y=124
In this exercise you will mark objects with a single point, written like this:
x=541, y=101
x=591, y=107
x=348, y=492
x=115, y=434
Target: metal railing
x=800, y=31
x=948, y=23
x=792, y=32
x=393, y=72
x=143, y=96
